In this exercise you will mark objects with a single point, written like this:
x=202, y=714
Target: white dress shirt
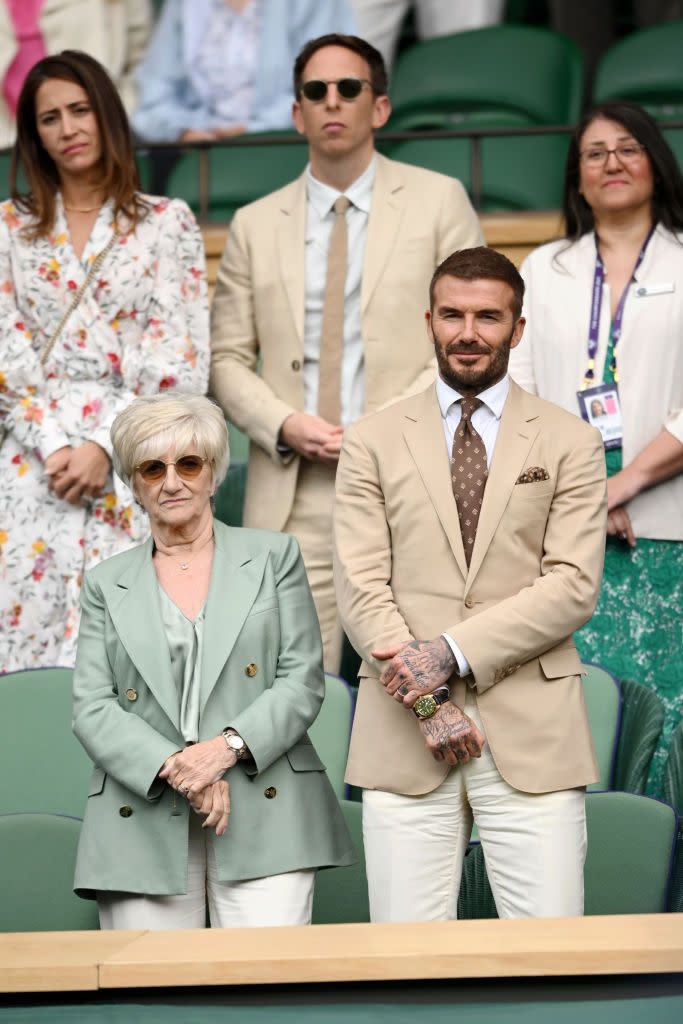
x=319, y=220
x=486, y=421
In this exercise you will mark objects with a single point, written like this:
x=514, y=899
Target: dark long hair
x=667, y=196
x=119, y=175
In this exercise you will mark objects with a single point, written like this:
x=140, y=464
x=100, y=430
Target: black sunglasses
x=188, y=467
x=348, y=88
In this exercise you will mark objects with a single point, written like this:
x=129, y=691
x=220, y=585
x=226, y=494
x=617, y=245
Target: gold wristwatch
x=426, y=706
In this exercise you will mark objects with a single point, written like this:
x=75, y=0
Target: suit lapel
x=136, y=614
x=425, y=439
x=291, y=243
x=516, y=434
x=386, y=210
x=235, y=581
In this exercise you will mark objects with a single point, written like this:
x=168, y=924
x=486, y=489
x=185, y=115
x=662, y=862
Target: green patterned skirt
x=636, y=631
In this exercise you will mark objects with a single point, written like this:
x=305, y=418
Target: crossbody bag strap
x=94, y=267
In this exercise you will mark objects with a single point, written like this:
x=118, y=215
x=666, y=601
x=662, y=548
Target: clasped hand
x=77, y=474
x=451, y=735
x=415, y=668
x=197, y=773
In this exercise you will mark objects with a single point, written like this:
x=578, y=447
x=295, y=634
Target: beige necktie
x=332, y=333
x=469, y=471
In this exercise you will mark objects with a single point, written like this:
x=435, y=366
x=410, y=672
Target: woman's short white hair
x=153, y=424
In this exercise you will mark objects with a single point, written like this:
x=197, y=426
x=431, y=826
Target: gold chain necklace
x=84, y=209
x=184, y=566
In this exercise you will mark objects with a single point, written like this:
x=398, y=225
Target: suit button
x=251, y=669
x=270, y=792
x=296, y=365
x=469, y=602
x=125, y=811
x=132, y=694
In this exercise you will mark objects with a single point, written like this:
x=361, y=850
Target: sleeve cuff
x=463, y=664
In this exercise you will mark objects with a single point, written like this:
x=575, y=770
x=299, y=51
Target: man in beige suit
x=460, y=585
x=324, y=283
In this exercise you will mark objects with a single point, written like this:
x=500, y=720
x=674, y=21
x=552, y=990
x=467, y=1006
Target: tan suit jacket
x=417, y=218
x=534, y=578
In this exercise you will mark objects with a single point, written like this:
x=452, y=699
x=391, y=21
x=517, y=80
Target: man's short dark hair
x=372, y=57
x=480, y=263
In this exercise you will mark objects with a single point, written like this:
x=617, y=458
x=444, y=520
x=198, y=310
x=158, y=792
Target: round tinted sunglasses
x=348, y=88
x=188, y=467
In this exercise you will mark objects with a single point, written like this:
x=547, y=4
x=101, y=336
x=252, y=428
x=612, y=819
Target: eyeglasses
x=188, y=468
x=348, y=88
x=626, y=153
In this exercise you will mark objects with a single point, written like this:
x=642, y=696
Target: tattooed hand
x=451, y=735
x=415, y=668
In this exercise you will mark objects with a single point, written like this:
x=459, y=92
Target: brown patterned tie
x=332, y=330
x=469, y=471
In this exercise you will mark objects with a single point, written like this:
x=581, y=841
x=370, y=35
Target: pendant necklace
x=184, y=566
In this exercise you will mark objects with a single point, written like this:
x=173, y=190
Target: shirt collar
x=323, y=197
x=493, y=397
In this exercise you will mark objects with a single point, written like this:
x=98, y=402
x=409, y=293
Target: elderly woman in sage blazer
x=199, y=670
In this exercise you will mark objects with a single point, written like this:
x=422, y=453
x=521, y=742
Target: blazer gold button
x=296, y=365
x=469, y=602
x=251, y=669
x=270, y=792
x=132, y=694
x=125, y=811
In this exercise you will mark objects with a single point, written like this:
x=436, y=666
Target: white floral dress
x=142, y=326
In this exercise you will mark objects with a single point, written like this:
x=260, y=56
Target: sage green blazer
x=261, y=673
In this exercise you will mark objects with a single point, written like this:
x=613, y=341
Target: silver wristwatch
x=235, y=743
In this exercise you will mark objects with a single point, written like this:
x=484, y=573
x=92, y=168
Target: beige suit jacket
x=417, y=218
x=534, y=577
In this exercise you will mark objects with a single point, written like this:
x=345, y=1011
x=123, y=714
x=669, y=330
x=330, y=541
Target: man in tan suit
x=323, y=282
x=460, y=584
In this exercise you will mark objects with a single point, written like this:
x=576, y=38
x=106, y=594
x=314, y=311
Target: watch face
x=237, y=743
x=424, y=707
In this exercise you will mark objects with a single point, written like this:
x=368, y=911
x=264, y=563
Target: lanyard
x=596, y=306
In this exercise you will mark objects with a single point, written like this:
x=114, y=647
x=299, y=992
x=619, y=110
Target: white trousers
x=534, y=845
x=260, y=902
x=379, y=21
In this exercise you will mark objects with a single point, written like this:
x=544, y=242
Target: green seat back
x=36, y=881
x=603, y=701
x=520, y=173
x=237, y=174
x=645, y=67
x=341, y=894
x=642, y=718
x=504, y=74
x=673, y=794
x=229, y=499
x=631, y=843
x=43, y=767
x=331, y=731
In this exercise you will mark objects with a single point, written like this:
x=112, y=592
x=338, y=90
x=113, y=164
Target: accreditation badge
x=600, y=407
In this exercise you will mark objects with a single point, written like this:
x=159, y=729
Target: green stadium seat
x=341, y=894
x=645, y=67
x=43, y=767
x=631, y=842
x=518, y=173
x=237, y=174
x=36, y=881
x=501, y=75
x=603, y=701
x=673, y=794
x=331, y=731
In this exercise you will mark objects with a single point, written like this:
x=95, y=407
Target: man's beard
x=471, y=379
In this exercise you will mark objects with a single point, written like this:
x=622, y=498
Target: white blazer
x=552, y=357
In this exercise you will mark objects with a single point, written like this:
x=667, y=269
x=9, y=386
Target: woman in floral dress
x=140, y=325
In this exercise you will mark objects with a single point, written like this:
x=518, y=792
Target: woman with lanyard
x=604, y=339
